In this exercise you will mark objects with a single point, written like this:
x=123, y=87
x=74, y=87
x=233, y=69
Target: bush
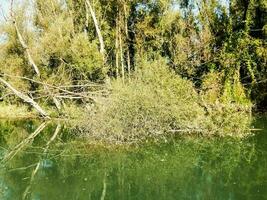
x=228, y=109
x=153, y=104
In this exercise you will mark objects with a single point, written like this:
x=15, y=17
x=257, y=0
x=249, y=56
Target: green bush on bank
x=156, y=102
x=228, y=109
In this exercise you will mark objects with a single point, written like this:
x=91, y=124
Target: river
x=43, y=167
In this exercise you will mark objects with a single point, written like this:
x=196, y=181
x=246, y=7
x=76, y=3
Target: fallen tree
x=29, y=56
x=25, y=98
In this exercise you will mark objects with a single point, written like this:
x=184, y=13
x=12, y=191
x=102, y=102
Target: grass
x=10, y=111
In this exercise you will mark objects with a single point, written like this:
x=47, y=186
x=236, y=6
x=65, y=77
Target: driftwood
x=25, y=98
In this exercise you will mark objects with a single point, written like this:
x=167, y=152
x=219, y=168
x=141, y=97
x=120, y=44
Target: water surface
x=47, y=168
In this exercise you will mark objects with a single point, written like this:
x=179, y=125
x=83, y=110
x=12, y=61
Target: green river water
x=191, y=168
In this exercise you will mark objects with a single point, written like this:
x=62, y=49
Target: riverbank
x=153, y=105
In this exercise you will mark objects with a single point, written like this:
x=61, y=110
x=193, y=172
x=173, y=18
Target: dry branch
x=25, y=98
x=69, y=94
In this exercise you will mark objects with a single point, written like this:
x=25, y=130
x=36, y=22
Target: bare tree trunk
x=25, y=47
x=121, y=48
x=87, y=19
x=127, y=38
x=25, y=98
x=100, y=37
x=98, y=31
x=117, y=47
x=22, y=41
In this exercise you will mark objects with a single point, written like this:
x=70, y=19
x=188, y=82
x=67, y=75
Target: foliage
x=8, y=111
x=156, y=103
x=215, y=51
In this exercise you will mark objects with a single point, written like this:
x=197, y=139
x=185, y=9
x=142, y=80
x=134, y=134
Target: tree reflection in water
x=52, y=166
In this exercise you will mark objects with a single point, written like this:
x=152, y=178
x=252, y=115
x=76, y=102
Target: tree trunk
x=25, y=47
x=117, y=47
x=87, y=19
x=127, y=39
x=98, y=31
x=25, y=98
x=121, y=48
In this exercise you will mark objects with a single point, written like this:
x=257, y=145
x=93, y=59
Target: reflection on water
x=47, y=166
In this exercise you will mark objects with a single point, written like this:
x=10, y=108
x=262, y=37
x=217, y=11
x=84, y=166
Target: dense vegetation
x=135, y=69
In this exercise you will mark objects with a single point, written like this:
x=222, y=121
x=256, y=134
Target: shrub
x=154, y=103
x=228, y=109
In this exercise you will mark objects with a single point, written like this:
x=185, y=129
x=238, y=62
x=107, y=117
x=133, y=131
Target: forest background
x=132, y=69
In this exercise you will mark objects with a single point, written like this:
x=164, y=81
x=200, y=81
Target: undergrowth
x=156, y=103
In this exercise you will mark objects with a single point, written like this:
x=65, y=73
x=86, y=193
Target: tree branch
x=25, y=98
